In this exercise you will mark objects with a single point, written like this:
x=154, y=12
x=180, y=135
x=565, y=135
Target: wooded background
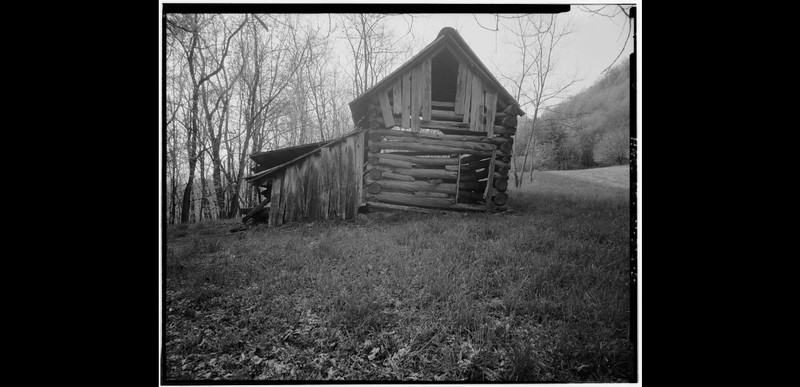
x=237, y=84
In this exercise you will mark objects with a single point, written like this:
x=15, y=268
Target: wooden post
x=386, y=110
x=489, y=183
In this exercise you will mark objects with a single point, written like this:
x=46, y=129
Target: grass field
x=539, y=293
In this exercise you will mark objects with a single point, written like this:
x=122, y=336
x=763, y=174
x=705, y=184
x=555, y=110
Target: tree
x=536, y=39
x=189, y=27
x=612, y=12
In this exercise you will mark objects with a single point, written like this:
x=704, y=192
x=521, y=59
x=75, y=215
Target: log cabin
x=434, y=135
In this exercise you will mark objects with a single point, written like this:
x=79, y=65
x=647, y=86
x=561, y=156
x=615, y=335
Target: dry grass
x=539, y=293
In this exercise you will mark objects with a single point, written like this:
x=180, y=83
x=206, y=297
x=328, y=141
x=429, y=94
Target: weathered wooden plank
x=450, y=143
x=336, y=182
x=275, y=202
x=326, y=179
x=352, y=200
x=489, y=183
x=467, y=96
x=416, y=160
x=397, y=106
x=476, y=108
x=344, y=175
x=386, y=109
x=428, y=149
x=284, y=196
x=426, y=89
x=426, y=173
x=490, y=101
x=358, y=166
x=406, y=101
x=461, y=80
x=416, y=97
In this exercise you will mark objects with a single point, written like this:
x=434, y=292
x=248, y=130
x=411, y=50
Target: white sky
x=589, y=50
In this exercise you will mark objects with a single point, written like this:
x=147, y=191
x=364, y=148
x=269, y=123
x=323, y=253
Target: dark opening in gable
x=444, y=71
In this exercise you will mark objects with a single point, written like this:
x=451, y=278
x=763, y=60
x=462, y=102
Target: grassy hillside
x=540, y=293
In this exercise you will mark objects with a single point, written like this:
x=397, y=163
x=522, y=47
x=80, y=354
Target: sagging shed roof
x=450, y=38
x=277, y=160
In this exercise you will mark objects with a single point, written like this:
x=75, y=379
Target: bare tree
x=269, y=65
x=611, y=12
x=189, y=27
x=536, y=40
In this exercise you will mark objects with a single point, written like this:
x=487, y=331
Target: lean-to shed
x=436, y=133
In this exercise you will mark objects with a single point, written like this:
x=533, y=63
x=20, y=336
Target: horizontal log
x=507, y=146
x=375, y=147
x=505, y=131
x=442, y=104
x=500, y=199
x=411, y=200
x=500, y=184
x=426, y=173
x=434, y=136
x=416, y=160
x=433, y=194
x=376, y=160
x=470, y=195
x=449, y=115
x=371, y=203
x=512, y=110
x=450, y=143
x=415, y=186
x=509, y=122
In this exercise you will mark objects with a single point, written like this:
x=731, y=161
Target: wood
x=336, y=186
x=274, y=202
x=476, y=108
x=406, y=100
x=500, y=199
x=489, y=182
x=375, y=174
x=326, y=173
x=350, y=179
x=358, y=166
x=397, y=104
x=476, y=157
x=390, y=162
x=429, y=149
x=434, y=136
x=373, y=188
x=450, y=143
x=415, y=160
x=443, y=104
x=461, y=80
x=501, y=185
x=412, y=200
x=432, y=194
x=426, y=89
x=416, y=97
x=415, y=186
x=467, y=96
x=424, y=173
x=377, y=204
x=507, y=146
x=510, y=122
x=386, y=109
x=491, y=105
x=396, y=176
x=512, y=110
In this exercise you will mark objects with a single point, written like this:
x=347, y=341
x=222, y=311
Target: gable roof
x=447, y=36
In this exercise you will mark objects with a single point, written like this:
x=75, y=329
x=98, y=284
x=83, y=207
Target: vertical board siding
x=359, y=168
x=467, y=94
x=327, y=181
x=476, y=108
x=275, y=201
x=397, y=107
x=426, y=89
x=386, y=109
x=416, y=97
x=461, y=81
x=406, y=100
x=491, y=109
x=337, y=181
